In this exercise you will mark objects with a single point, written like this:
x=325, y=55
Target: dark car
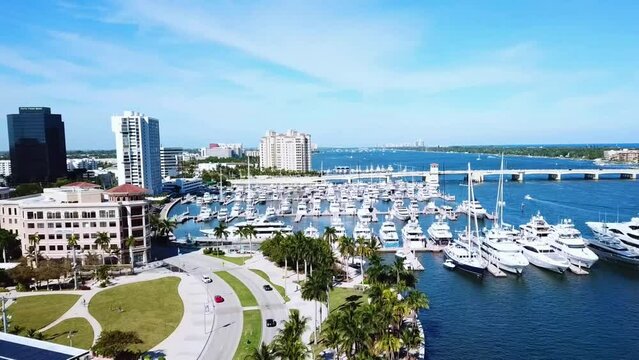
x=271, y=323
x=267, y=287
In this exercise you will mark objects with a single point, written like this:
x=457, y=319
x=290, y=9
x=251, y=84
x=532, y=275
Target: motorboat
x=362, y=230
x=301, y=208
x=388, y=234
x=414, y=208
x=430, y=208
x=350, y=208
x=413, y=235
x=249, y=213
x=542, y=255
x=264, y=228
x=608, y=247
x=207, y=198
x=316, y=210
x=472, y=207
x=449, y=264
x=566, y=239
x=270, y=212
x=222, y=214
x=365, y=213
x=537, y=227
x=338, y=225
x=439, y=232
x=334, y=208
x=311, y=232
x=206, y=214
x=399, y=211
x=627, y=232
x=285, y=207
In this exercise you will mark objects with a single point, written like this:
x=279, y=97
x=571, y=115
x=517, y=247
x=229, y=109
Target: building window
x=40, y=226
x=111, y=213
x=76, y=225
x=60, y=247
x=94, y=224
x=87, y=247
x=112, y=224
x=103, y=224
x=94, y=247
x=58, y=225
x=103, y=213
x=58, y=236
x=113, y=235
x=40, y=215
x=51, y=236
x=85, y=236
x=51, y=247
x=50, y=225
x=42, y=248
x=68, y=225
x=29, y=215
x=30, y=225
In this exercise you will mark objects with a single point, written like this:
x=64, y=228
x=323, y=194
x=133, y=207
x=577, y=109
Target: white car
x=206, y=279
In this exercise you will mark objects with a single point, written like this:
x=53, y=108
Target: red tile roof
x=82, y=185
x=127, y=189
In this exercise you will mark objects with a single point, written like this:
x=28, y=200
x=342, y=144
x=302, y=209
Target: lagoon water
x=539, y=315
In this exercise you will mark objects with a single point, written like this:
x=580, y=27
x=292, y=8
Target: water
x=539, y=315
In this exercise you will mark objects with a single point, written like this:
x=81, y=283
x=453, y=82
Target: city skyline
x=375, y=74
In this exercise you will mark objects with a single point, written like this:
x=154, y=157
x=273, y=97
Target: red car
x=218, y=299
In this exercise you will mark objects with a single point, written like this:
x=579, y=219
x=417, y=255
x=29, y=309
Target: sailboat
x=462, y=252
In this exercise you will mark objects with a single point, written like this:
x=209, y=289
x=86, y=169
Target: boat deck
x=495, y=271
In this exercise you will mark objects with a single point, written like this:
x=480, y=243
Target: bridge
x=435, y=173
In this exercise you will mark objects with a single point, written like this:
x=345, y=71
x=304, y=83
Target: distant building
x=137, y=142
x=5, y=193
x=80, y=209
x=222, y=150
x=182, y=185
x=252, y=153
x=37, y=146
x=5, y=167
x=85, y=163
x=287, y=151
x=171, y=161
x=624, y=155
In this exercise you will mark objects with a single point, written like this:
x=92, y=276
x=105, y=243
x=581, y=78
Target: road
x=229, y=315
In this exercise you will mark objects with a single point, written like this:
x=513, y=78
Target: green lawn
x=338, y=296
x=237, y=260
x=38, y=311
x=153, y=309
x=251, y=334
x=242, y=292
x=82, y=339
x=280, y=289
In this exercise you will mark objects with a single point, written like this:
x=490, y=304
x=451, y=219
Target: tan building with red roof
x=84, y=210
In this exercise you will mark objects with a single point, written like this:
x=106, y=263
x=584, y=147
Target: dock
x=577, y=270
x=495, y=271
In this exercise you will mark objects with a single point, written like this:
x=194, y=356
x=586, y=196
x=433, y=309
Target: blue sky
x=351, y=73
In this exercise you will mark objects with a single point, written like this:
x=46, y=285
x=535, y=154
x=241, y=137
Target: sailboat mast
x=468, y=232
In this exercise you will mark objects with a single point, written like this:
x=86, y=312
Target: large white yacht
x=311, y=232
x=365, y=213
x=207, y=198
x=474, y=208
x=462, y=252
x=350, y=208
x=413, y=235
x=439, y=232
x=541, y=254
x=338, y=225
x=249, y=213
x=566, y=239
x=362, y=230
x=285, y=207
x=235, y=210
x=537, y=227
x=264, y=228
x=388, y=233
x=222, y=214
x=400, y=211
x=627, y=232
x=206, y=214
x=608, y=247
x=333, y=208
x=316, y=209
x=301, y=208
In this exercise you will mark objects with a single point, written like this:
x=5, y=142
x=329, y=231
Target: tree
x=22, y=274
x=154, y=223
x=287, y=344
x=262, y=353
x=250, y=233
x=10, y=244
x=72, y=242
x=103, y=241
x=315, y=288
x=130, y=243
x=221, y=231
x=102, y=273
x=166, y=226
x=116, y=343
x=34, y=242
x=330, y=234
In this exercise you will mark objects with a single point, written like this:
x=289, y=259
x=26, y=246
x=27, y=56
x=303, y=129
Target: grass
x=82, y=339
x=243, y=293
x=338, y=296
x=280, y=289
x=237, y=260
x=153, y=309
x=251, y=334
x=38, y=311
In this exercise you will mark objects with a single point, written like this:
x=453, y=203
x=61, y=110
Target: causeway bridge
x=434, y=173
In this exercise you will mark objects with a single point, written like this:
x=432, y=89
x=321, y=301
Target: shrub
x=21, y=287
x=2, y=289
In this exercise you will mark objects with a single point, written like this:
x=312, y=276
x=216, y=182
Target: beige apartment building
x=85, y=210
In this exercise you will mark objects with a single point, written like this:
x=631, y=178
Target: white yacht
x=338, y=225
x=439, y=232
x=316, y=210
x=362, y=230
x=235, y=211
x=249, y=213
x=270, y=212
x=264, y=228
x=285, y=207
x=608, y=247
x=413, y=235
x=414, y=208
x=222, y=214
x=537, y=227
x=388, y=234
x=206, y=214
x=430, y=208
x=301, y=208
x=311, y=232
x=333, y=208
x=350, y=208
x=462, y=252
x=261, y=198
x=565, y=238
x=400, y=211
x=627, y=232
x=365, y=213
x=207, y=198
x=542, y=255
x=474, y=208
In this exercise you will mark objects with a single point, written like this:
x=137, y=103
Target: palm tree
x=288, y=344
x=250, y=233
x=154, y=222
x=411, y=338
x=6, y=239
x=130, y=243
x=314, y=288
x=416, y=300
x=166, y=226
x=34, y=241
x=388, y=344
x=221, y=231
x=346, y=249
x=72, y=242
x=103, y=241
x=398, y=269
x=262, y=353
x=330, y=234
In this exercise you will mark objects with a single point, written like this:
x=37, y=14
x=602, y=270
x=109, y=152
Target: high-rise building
x=37, y=145
x=137, y=144
x=5, y=167
x=170, y=161
x=287, y=151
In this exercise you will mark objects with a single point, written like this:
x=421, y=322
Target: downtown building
x=137, y=144
x=287, y=151
x=84, y=210
x=37, y=146
x=171, y=159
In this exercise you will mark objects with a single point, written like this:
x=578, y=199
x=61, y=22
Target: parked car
x=218, y=299
x=206, y=279
x=271, y=323
x=268, y=287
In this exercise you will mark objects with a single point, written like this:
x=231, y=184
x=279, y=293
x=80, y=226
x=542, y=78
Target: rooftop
x=22, y=348
x=127, y=189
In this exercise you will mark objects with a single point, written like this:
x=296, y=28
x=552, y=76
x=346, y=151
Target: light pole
x=5, y=317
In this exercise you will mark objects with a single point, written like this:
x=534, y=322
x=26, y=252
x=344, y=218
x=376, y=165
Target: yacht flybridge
x=566, y=239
